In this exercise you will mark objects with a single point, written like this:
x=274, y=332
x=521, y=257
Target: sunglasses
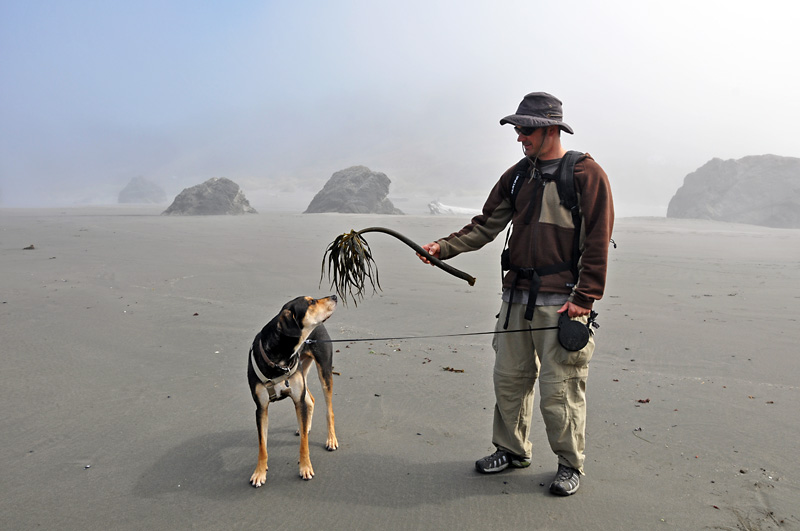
x=525, y=131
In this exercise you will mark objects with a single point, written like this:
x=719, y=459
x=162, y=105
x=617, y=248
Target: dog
x=278, y=366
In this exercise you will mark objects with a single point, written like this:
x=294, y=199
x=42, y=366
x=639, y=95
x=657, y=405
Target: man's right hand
x=432, y=249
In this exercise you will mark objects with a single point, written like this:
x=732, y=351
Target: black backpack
x=565, y=183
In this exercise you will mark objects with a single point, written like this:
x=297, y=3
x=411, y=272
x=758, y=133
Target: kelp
x=350, y=265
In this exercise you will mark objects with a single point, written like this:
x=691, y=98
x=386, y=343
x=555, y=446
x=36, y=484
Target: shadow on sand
x=218, y=466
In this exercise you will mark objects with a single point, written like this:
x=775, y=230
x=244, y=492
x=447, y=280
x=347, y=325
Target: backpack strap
x=533, y=275
x=521, y=173
x=569, y=199
x=566, y=180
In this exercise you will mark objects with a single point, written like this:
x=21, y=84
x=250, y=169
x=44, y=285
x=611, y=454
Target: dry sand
x=125, y=403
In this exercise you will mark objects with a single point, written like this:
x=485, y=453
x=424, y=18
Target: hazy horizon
x=278, y=96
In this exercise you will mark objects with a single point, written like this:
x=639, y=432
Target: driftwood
x=350, y=264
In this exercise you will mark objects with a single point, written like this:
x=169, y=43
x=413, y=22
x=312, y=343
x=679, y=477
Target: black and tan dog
x=280, y=359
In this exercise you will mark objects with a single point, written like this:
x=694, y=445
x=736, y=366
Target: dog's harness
x=284, y=372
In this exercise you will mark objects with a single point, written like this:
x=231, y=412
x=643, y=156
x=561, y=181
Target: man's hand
x=573, y=310
x=432, y=249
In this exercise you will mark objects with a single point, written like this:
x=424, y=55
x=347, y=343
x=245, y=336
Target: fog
x=278, y=95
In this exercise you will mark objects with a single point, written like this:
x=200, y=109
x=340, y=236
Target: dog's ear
x=288, y=325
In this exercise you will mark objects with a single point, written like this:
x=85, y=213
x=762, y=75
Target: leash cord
x=310, y=341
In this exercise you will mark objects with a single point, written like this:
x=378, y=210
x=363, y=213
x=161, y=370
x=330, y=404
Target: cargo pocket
x=578, y=358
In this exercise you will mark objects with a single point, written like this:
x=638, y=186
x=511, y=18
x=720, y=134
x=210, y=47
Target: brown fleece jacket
x=548, y=238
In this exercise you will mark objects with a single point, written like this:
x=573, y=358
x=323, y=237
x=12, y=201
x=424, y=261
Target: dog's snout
x=333, y=298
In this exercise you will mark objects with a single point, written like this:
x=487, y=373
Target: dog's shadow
x=218, y=466
x=212, y=465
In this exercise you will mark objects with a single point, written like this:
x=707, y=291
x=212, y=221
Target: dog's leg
x=304, y=406
x=305, y=365
x=326, y=380
x=259, y=476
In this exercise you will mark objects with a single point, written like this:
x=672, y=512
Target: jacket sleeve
x=483, y=228
x=597, y=210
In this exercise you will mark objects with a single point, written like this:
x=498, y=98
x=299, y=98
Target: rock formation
x=141, y=190
x=757, y=190
x=215, y=196
x=356, y=190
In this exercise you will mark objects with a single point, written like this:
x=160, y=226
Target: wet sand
x=125, y=403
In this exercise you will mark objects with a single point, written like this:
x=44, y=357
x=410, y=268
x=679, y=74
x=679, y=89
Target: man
x=565, y=257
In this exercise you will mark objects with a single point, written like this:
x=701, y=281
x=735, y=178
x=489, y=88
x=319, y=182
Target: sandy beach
x=125, y=403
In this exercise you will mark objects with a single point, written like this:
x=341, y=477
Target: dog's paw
x=258, y=478
x=306, y=472
x=331, y=444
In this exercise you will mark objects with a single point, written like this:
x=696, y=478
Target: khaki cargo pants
x=521, y=358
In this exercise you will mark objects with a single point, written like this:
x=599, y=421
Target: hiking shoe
x=500, y=460
x=566, y=482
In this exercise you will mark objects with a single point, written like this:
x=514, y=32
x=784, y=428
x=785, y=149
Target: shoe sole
x=563, y=492
x=559, y=492
x=512, y=464
x=490, y=470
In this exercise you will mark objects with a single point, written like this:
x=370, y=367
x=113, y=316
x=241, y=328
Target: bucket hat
x=538, y=109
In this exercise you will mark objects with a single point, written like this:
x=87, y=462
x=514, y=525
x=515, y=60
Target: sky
x=278, y=95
